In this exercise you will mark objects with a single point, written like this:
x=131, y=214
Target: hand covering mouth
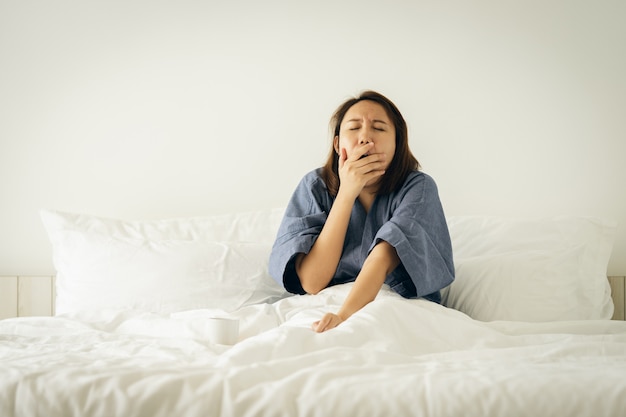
x=364, y=155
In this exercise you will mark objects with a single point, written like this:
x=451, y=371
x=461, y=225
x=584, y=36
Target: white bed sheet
x=395, y=357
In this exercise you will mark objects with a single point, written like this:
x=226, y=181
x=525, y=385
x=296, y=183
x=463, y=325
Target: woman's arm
x=318, y=267
x=380, y=262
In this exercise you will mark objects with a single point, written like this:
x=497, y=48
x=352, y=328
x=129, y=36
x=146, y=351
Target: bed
x=524, y=330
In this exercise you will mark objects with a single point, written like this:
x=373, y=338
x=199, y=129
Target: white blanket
x=395, y=357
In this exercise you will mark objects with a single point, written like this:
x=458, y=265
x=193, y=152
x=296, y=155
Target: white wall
x=150, y=109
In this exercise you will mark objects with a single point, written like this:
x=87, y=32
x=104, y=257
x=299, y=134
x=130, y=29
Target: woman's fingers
x=329, y=321
x=361, y=151
x=365, y=169
x=358, y=168
x=373, y=162
x=317, y=326
x=321, y=325
x=363, y=164
x=343, y=156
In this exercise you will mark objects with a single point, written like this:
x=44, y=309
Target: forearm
x=317, y=268
x=381, y=261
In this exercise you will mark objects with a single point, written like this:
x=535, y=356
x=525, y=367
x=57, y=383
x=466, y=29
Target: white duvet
x=395, y=357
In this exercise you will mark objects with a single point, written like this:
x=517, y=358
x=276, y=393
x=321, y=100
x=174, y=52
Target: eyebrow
x=373, y=121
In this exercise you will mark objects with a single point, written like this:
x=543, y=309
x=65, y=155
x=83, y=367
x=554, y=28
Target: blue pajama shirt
x=410, y=219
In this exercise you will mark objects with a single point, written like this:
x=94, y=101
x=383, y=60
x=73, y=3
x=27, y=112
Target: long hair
x=403, y=161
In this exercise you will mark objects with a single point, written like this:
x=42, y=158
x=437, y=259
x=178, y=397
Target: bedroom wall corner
x=618, y=293
x=8, y=297
x=25, y=296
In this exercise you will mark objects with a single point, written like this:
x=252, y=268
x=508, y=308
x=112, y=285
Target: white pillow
x=162, y=265
x=531, y=269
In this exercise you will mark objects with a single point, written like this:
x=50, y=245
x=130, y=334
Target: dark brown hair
x=403, y=161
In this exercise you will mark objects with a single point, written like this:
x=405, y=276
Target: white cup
x=222, y=330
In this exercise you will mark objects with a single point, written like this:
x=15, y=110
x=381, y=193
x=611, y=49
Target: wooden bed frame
x=22, y=296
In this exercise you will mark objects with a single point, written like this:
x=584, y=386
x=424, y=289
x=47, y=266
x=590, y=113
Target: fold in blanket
x=394, y=357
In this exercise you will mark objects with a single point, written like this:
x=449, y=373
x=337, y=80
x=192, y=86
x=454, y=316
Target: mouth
x=363, y=156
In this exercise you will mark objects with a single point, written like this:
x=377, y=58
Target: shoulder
x=312, y=183
x=418, y=187
x=313, y=178
x=420, y=179
x=417, y=200
x=311, y=194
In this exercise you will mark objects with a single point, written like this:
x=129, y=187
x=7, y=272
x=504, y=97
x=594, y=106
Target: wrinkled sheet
x=395, y=357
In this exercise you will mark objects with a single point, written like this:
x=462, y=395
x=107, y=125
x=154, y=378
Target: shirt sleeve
x=418, y=231
x=302, y=223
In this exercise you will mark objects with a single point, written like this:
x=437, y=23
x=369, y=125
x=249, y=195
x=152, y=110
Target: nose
x=364, y=138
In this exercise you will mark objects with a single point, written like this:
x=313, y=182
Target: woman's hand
x=381, y=261
x=329, y=321
x=359, y=169
x=317, y=268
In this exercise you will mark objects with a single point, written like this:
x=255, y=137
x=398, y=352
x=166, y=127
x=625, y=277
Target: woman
x=369, y=216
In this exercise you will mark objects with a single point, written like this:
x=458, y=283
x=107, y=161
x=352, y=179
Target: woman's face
x=365, y=122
